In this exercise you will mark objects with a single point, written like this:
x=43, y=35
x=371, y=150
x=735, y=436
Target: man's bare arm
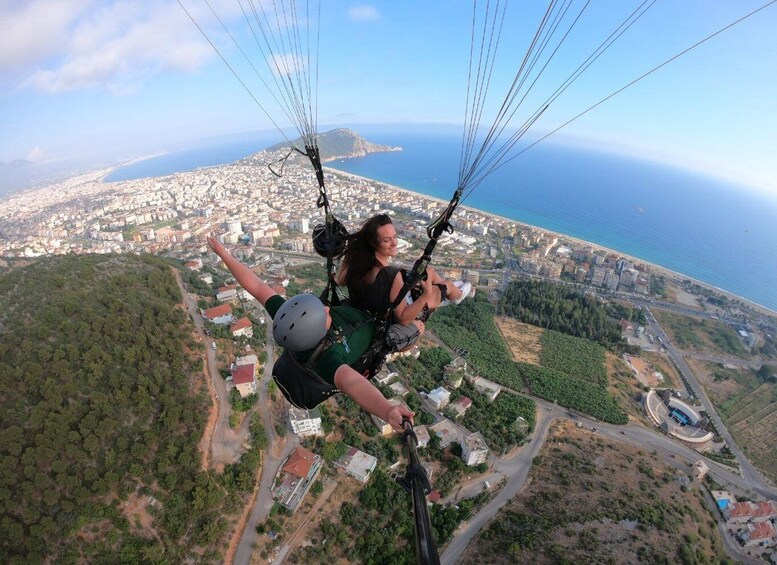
x=244, y=276
x=370, y=398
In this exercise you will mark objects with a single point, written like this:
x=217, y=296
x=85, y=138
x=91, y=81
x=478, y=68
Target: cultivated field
x=591, y=500
x=748, y=407
x=569, y=370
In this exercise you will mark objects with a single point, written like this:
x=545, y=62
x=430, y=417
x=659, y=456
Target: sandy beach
x=674, y=275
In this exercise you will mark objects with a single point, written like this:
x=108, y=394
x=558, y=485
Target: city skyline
x=121, y=80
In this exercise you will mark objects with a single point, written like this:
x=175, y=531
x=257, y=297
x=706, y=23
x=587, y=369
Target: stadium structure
x=677, y=418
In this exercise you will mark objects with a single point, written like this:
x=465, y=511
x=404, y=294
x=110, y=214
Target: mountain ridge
x=340, y=143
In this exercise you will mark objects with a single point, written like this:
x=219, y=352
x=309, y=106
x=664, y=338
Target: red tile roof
x=227, y=287
x=434, y=496
x=764, y=509
x=299, y=462
x=464, y=402
x=740, y=510
x=762, y=530
x=242, y=323
x=243, y=374
x=218, y=311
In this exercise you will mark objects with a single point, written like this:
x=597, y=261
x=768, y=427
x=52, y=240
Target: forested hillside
x=100, y=401
x=556, y=307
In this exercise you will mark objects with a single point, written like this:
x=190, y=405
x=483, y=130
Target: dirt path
x=240, y=526
x=213, y=414
x=210, y=425
x=289, y=545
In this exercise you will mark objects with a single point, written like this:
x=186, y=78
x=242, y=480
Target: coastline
x=653, y=266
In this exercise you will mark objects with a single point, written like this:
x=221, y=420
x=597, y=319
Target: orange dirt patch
x=659, y=362
x=644, y=372
x=210, y=426
x=522, y=339
x=680, y=296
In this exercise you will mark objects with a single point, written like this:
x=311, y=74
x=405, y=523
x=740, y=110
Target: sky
x=96, y=81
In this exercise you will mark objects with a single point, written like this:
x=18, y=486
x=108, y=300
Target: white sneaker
x=465, y=288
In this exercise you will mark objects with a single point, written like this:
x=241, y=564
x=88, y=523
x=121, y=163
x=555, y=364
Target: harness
x=329, y=240
x=372, y=360
x=299, y=382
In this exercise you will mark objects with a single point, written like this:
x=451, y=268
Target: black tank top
x=374, y=297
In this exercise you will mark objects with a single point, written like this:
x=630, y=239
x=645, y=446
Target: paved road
x=264, y=502
x=271, y=461
x=226, y=444
x=748, y=471
x=516, y=470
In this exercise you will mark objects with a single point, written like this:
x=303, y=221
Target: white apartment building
x=474, y=450
x=488, y=388
x=306, y=423
x=439, y=397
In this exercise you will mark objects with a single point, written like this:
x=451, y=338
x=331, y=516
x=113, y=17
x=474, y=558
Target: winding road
x=515, y=469
x=749, y=472
x=226, y=446
x=272, y=458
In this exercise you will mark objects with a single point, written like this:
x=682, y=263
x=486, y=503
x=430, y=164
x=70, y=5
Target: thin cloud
x=285, y=64
x=35, y=155
x=110, y=45
x=35, y=29
x=364, y=13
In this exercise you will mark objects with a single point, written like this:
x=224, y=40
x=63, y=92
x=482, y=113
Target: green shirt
x=340, y=353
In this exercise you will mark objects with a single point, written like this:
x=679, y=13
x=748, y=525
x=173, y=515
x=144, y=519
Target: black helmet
x=300, y=323
x=334, y=245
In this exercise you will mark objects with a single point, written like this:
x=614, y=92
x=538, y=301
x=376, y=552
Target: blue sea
x=710, y=230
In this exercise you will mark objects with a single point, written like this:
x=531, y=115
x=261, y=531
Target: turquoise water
x=721, y=234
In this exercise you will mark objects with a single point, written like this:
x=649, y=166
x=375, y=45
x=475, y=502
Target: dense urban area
x=603, y=408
